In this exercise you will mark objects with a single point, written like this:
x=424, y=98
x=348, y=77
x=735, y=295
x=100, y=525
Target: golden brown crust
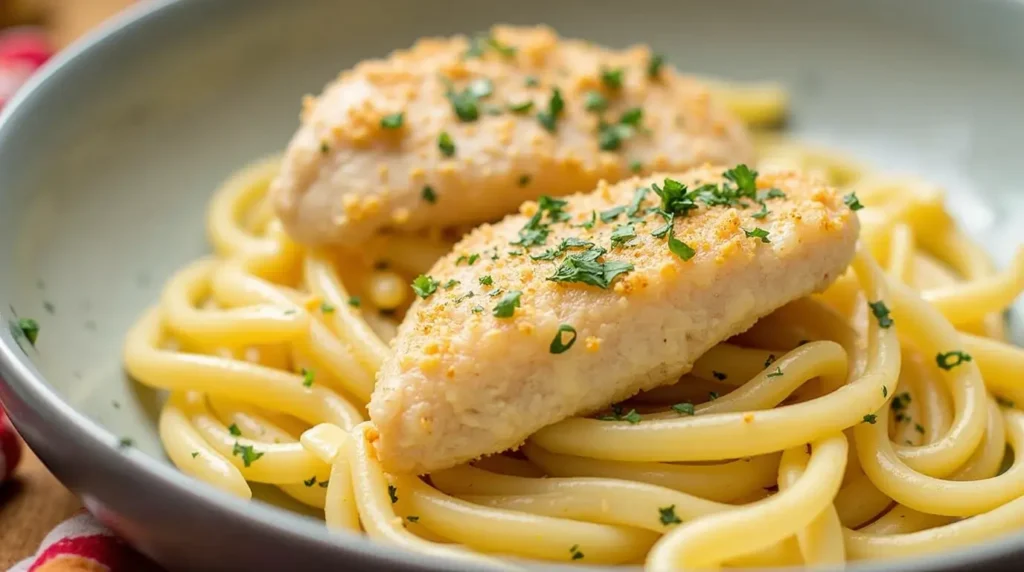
x=346, y=175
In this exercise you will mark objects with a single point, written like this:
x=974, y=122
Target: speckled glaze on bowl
x=108, y=158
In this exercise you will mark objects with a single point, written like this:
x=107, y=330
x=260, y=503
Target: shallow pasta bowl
x=108, y=158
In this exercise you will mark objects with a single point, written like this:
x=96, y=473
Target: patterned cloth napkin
x=79, y=544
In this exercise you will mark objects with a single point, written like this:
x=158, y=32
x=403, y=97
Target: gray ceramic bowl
x=108, y=158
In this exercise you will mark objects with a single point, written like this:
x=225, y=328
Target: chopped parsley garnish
x=326, y=308
x=595, y=101
x=324, y=484
x=473, y=258
x=310, y=481
x=719, y=375
x=195, y=454
x=712, y=395
x=445, y=144
x=476, y=309
x=589, y=223
x=412, y=518
x=125, y=442
x=758, y=232
x=465, y=296
x=464, y=104
x=885, y=391
x=881, y=312
x=234, y=430
x=424, y=285
x=486, y=280
x=636, y=166
x=774, y=193
x=354, y=301
x=249, y=456
x=632, y=116
x=919, y=428
x=507, y=305
x=638, y=199
x=575, y=551
x=623, y=234
x=668, y=515
x=949, y=360
x=429, y=195
x=763, y=212
x=654, y=65
x=308, y=376
x=900, y=401
x=870, y=418
x=549, y=117
x=1004, y=402
x=776, y=373
x=524, y=180
x=450, y=284
x=853, y=202
x=632, y=417
x=482, y=42
x=684, y=408
x=532, y=81
x=769, y=360
x=535, y=231
x=584, y=267
x=680, y=248
x=557, y=344
x=393, y=120
x=324, y=148
x=393, y=493
x=612, y=77
x=744, y=179
x=522, y=107
x=30, y=329
x=612, y=213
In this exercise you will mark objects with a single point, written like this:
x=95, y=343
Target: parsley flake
x=622, y=234
x=680, y=248
x=429, y=195
x=881, y=312
x=424, y=286
x=549, y=117
x=326, y=308
x=584, y=267
x=595, y=101
x=234, y=430
x=575, y=551
x=949, y=360
x=486, y=280
x=393, y=493
x=719, y=375
x=632, y=417
x=354, y=301
x=758, y=232
x=524, y=180
x=776, y=373
x=612, y=213
x=412, y=518
x=310, y=481
x=684, y=408
x=521, y=107
x=445, y=144
x=308, y=376
x=668, y=515
x=249, y=456
x=557, y=345
x=30, y=329
x=506, y=307
x=1004, y=402
x=870, y=418
x=393, y=120
x=636, y=166
x=612, y=77
x=853, y=202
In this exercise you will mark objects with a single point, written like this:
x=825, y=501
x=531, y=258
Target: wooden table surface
x=33, y=502
x=30, y=506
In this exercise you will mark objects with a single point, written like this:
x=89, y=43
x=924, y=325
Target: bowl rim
x=42, y=413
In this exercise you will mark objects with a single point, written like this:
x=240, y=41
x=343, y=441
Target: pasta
x=883, y=435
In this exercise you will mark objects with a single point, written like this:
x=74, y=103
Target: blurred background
x=31, y=31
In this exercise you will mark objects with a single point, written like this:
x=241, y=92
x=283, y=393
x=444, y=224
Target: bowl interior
x=105, y=174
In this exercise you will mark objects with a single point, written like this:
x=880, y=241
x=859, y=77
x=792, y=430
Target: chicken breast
x=464, y=130
x=573, y=305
